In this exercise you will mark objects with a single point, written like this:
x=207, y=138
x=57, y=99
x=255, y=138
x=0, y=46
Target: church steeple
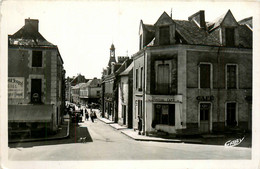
x=112, y=55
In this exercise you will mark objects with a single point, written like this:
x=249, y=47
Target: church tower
x=112, y=55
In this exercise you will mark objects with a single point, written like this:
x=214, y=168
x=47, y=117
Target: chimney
x=199, y=18
x=33, y=22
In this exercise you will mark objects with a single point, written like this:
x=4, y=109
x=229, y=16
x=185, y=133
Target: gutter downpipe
x=144, y=119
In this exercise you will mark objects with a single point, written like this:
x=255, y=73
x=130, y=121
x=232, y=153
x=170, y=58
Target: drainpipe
x=143, y=90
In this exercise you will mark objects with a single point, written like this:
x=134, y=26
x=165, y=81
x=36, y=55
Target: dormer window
x=164, y=35
x=230, y=36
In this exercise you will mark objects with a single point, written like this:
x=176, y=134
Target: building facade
x=36, y=80
x=125, y=90
x=91, y=92
x=109, y=99
x=193, y=76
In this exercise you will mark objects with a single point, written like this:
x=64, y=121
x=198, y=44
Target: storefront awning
x=30, y=113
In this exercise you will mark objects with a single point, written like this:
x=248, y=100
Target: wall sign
x=15, y=87
x=205, y=98
x=163, y=100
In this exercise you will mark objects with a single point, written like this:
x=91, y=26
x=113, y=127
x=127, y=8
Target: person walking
x=92, y=116
x=139, y=125
x=87, y=115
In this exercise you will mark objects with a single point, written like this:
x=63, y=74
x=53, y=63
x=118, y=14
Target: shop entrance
x=205, y=117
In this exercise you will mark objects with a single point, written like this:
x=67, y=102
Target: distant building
x=90, y=92
x=36, y=80
x=193, y=76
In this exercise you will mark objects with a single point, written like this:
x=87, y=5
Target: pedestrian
x=92, y=116
x=139, y=125
x=95, y=115
x=86, y=113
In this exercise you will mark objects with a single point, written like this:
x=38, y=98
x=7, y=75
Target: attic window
x=230, y=39
x=164, y=35
x=36, y=58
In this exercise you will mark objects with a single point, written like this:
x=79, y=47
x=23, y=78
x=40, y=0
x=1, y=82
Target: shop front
x=164, y=113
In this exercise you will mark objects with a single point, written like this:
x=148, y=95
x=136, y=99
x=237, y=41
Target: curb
x=147, y=139
x=144, y=139
x=43, y=139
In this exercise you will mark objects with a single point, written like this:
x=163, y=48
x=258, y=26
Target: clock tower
x=112, y=55
x=112, y=50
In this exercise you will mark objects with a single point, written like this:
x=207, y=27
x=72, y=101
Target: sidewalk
x=63, y=132
x=134, y=134
x=209, y=139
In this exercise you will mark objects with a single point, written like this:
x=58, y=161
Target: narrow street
x=106, y=143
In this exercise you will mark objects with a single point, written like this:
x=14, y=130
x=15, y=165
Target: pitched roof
x=127, y=70
x=247, y=21
x=194, y=35
x=28, y=35
x=188, y=32
x=150, y=28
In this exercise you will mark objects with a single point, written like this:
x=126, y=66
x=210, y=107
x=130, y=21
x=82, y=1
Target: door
x=36, y=90
x=231, y=115
x=124, y=114
x=205, y=117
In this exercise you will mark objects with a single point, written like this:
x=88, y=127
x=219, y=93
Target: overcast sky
x=85, y=30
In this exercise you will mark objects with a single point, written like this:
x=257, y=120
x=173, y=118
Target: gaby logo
x=233, y=143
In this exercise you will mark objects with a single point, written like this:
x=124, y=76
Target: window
x=205, y=76
x=98, y=93
x=231, y=114
x=163, y=79
x=36, y=58
x=230, y=39
x=165, y=114
x=164, y=35
x=141, y=80
x=36, y=90
x=136, y=78
x=231, y=76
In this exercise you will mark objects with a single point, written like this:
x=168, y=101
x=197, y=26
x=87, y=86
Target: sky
x=85, y=30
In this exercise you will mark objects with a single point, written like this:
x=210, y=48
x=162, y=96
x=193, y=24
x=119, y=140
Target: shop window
x=165, y=114
x=231, y=114
x=231, y=76
x=230, y=37
x=164, y=35
x=36, y=90
x=205, y=75
x=36, y=58
x=163, y=79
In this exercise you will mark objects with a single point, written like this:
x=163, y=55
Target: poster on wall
x=15, y=87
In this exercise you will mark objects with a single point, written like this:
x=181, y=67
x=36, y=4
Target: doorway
x=204, y=117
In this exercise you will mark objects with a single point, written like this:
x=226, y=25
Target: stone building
x=193, y=76
x=125, y=90
x=36, y=80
